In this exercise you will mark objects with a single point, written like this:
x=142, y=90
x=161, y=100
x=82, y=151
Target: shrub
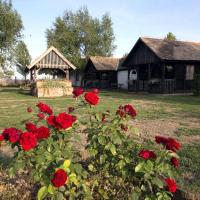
x=196, y=88
x=120, y=165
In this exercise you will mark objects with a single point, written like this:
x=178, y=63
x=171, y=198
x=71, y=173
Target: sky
x=131, y=19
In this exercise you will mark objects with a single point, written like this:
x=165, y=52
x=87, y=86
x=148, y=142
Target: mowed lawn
x=171, y=115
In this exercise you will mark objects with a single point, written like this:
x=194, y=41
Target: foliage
x=118, y=167
x=10, y=33
x=23, y=58
x=170, y=36
x=78, y=35
x=196, y=88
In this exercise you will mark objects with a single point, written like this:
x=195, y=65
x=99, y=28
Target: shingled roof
x=106, y=63
x=173, y=50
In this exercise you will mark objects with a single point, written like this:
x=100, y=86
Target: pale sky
x=131, y=19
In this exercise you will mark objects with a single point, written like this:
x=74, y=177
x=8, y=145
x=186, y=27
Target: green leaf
x=103, y=193
x=78, y=168
x=91, y=167
x=51, y=189
x=97, y=117
x=72, y=178
x=157, y=181
x=113, y=149
x=148, y=166
x=102, y=140
x=66, y=164
x=139, y=167
x=117, y=139
x=102, y=159
x=42, y=193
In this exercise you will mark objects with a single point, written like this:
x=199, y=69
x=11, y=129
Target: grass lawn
x=171, y=115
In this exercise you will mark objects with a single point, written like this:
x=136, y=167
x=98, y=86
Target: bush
x=196, y=89
x=120, y=165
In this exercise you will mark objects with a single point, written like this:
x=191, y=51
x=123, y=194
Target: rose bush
x=119, y=165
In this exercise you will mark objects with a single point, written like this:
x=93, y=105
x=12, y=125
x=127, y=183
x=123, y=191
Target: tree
x=10, y=33
x=22, y=57
x=79, y=35
x=170, y=36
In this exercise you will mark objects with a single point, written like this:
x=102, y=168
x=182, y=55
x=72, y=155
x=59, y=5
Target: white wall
x=122, y=77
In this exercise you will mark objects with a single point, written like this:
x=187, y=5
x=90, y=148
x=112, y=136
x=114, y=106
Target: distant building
x=102, y=72
x=163, y=66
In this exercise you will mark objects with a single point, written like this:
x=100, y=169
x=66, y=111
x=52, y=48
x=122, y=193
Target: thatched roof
x=51, y=58
x=106, y=63
x=173, y=50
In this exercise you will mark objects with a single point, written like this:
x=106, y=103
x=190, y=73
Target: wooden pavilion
x=51, y=66
x=163, y=66
x=53, y=62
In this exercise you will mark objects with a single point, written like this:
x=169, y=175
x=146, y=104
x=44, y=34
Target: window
x=169, y=72
x=189, y=72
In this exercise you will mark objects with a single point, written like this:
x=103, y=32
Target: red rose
x=171, y=184
x=30, y=127
x=40, y=116
x=130, y=110
x=146, y=154
x=29, y=109
x=161, y=140
x=59, y=178
x=74, y=118
x=1, y=138
x=169, y=143
x=91, y=98
x=175, y=162
x=121, y=113
x=70, y=109
x=44, y=108
x=95, y=90
x=78, y=91
x=42, y=132
x=173, y=145
x=28, y=141
x=62, y=121
x=51, y=120
x=11, y=134
x=124, y=127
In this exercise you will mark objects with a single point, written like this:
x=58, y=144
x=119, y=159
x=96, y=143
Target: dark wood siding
x=141, y=54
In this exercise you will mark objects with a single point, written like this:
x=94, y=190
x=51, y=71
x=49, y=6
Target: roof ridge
x=164, y=39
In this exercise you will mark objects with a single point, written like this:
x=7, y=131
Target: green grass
x=190, y=165
x=180, y=108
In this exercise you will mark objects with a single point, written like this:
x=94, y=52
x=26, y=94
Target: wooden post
x=67, y=74
x=31, y=76
x=163, y=78
x=35, y=74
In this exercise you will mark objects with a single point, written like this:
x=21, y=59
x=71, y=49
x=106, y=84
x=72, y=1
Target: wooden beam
x=49, y=65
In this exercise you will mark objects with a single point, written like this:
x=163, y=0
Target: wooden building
x=163, y=66
x=51, y=64
x=101, y=72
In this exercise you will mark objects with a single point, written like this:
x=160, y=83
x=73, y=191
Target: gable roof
x=51, y=58
x=105, y=63
x=173, y=50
